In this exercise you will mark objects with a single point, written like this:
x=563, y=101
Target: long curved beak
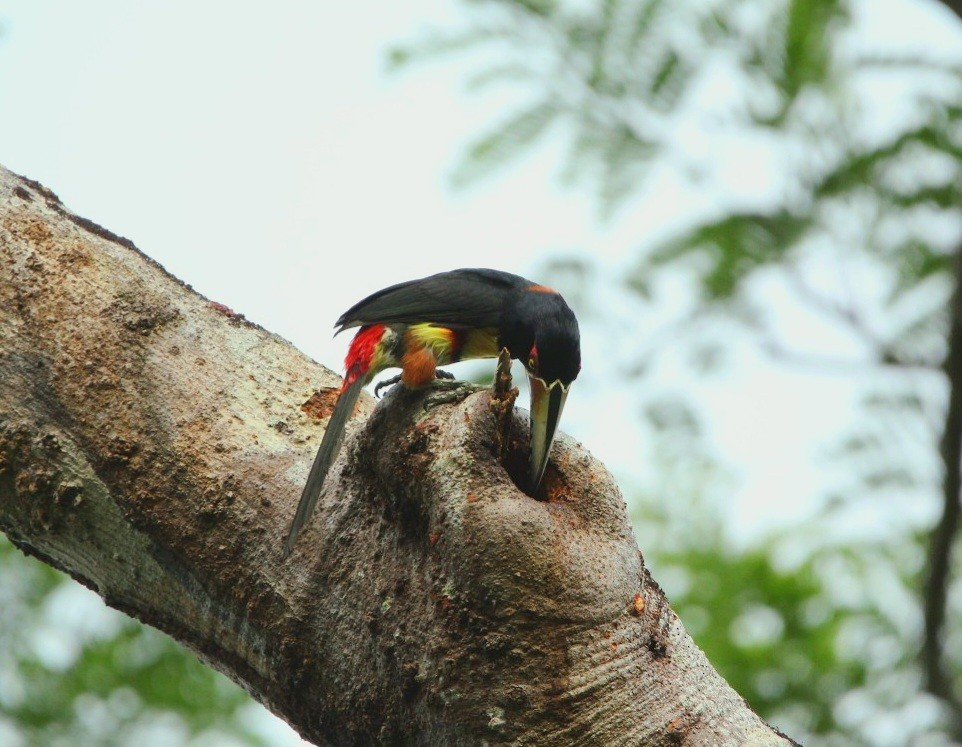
x=547, y=402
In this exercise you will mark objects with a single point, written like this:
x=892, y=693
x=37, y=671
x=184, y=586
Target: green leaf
x=437, y=45
x=506, y=142
x=543, y=8
x=624, y=156
x=734, y=248
x=808, y=36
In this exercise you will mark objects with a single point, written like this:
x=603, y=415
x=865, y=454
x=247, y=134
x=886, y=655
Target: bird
x=444, y=318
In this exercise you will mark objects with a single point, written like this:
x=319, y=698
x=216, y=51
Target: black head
x=540, y=329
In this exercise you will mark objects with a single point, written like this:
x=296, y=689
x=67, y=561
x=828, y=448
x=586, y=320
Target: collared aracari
x=448, y=317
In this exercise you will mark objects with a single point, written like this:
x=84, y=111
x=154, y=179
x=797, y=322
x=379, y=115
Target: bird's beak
x=547, y=401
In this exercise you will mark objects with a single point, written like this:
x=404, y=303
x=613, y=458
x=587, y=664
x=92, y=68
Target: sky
x=264, y=154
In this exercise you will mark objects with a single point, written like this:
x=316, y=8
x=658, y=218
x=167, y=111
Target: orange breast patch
x=418, y=368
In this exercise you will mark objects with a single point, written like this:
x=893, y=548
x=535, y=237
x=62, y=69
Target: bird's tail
x=326, y=454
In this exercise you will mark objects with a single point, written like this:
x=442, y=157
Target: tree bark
x=153, y=446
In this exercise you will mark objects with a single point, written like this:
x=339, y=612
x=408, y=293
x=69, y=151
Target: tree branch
x=938, y=682
x=153, y=445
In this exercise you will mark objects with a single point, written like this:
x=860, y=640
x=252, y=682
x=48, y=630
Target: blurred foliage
x=73, y=672
x=854, y=154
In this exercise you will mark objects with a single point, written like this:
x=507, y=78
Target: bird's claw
x=442, y=379
x=386, y=383
x=447, y=391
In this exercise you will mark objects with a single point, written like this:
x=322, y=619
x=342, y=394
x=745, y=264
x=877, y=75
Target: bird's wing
x=460, y=298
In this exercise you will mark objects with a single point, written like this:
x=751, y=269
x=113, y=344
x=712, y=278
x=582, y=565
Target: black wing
x=460, y=298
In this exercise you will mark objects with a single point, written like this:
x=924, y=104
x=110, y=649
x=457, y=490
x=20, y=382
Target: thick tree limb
x=153, y=445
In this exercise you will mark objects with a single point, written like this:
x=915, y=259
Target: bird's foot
x=446, y=390
x=386, y=383
x=442, y=379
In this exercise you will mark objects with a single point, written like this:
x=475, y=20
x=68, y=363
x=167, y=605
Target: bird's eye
x=532, y=362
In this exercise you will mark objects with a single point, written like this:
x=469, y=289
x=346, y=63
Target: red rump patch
x=361, y=351
x=458, y=336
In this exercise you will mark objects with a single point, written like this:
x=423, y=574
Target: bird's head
x=541, y=331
